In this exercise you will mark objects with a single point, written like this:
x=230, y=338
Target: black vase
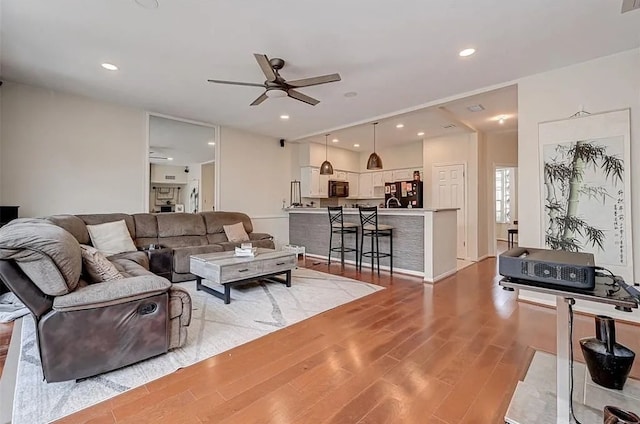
x=609, y=363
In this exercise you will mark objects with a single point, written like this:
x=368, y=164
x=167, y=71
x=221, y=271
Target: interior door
x=207, y=189
x=449, y=192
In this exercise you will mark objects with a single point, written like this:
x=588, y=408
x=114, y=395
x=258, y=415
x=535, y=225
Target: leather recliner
x=88, y=329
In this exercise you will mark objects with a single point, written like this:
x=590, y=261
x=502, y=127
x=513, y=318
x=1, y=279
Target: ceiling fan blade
x=249, y=84
x=260, y=99
x=302, y=97
x=307, y=82
x=268, y=71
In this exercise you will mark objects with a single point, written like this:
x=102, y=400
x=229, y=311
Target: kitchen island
x=424, y=240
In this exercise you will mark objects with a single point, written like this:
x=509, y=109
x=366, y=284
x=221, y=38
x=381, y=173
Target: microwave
x=338, y=189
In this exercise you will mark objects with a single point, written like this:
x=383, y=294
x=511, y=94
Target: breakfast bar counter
x=424, y=240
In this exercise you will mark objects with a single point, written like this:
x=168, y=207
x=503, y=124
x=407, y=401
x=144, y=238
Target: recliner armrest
x=260, y=236
x=112, y=293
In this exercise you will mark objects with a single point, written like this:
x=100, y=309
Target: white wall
x=255, y=177
x=68, y=154
x=407, y=155
x=313, y=154
x=600, y=85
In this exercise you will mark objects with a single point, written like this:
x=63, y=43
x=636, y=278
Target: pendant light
x=374, y=162
x=326, y=168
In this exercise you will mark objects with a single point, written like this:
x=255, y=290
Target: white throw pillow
x=111, y=238
x=236, y=233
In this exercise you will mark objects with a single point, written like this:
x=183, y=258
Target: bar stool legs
x=338, y=226
x=371, y=228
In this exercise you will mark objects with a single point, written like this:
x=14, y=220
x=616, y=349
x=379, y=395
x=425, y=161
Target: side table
x=160, y=260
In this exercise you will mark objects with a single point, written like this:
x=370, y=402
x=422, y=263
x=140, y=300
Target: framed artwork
x=585, y=188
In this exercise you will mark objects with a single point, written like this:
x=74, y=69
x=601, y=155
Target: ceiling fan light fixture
x=374, y=161
x=326, y=168
x=275, y=93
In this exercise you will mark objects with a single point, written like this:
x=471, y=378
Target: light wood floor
x=414, y=353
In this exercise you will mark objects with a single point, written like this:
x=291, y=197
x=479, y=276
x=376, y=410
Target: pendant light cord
x=326, y=147
x=374, y=136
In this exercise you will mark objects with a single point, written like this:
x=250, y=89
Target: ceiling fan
x=276, y=86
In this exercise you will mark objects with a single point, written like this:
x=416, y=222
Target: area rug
x=255, y=310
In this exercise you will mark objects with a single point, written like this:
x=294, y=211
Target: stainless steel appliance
x=403, y=194
x=338, y=188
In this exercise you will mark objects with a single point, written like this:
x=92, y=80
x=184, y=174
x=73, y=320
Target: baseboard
x=440, y=277
x=483, y=257
x=9, y=374
x=382, y=267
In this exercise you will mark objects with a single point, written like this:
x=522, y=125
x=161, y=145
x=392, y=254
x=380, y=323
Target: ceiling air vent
x=479, y=107
x=448, y=126
x=629, y=5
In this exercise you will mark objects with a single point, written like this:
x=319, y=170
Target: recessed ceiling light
x=211, y=143
x=356, y=145
x=169, y=158
x=335, y=140
x=467, y=52
x=501, y=119
x=420, y=133
x=350, y=94
x=109, y=66
x=284, y=117
x=400, y=126
x=148, y=4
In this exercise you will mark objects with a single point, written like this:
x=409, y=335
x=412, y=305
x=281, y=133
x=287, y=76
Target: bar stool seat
x=371, y=228
x=338, y=226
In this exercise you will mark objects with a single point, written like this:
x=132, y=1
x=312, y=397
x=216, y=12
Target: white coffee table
x=228, y=270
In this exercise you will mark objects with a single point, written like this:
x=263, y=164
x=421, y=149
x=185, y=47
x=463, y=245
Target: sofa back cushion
x=72, y=224
x=215, y=221
x=102, y=218
x=146, y=229
x=49, y=255
x=180, y=224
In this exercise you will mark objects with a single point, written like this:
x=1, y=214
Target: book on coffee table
x=246, y=252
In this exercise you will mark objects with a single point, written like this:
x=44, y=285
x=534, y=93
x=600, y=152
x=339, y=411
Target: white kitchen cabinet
x=388, y=177
x=323, y=185
x=339, y=176
x=309, y=182
x=168, y=174
x=378, y=179
x=354, y=184
x=402, y=175
x=365, y=187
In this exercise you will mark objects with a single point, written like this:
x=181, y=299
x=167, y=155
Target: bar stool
x=371, y=228
x=338, y=226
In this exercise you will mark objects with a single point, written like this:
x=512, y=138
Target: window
x=504, y=178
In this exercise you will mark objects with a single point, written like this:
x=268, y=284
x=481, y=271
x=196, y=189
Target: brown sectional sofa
x=185, y=234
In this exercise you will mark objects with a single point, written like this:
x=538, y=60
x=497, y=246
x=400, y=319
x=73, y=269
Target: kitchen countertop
x=381, y=211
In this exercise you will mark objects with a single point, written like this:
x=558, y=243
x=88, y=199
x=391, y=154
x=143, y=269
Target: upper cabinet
x=378, y=179
x=388, y=176
x=309, y=182
x=168, y=174
x=402, y=175
x=338, y=176
x=354, y=184
x=323, y=185
x=365, y=186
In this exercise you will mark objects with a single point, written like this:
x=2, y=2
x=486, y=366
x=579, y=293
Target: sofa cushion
x=180, y=224
x=74, y=225
x=111, y=238
x=181, y=255
x=216, y=220
x=183, y=241
x=49, y=255
x=138, y=257
x=98, y=268
x=101, y=218
x=129, y=268
x=236, y=232
x=112, y=293
x=229, y=245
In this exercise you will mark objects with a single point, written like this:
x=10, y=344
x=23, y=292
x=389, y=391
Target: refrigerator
x=407, y=193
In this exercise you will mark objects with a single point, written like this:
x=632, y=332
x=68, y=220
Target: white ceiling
x=434, y=121
x=395, y=55
x=186, y=143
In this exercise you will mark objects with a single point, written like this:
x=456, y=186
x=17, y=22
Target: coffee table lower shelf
x=226, y=295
